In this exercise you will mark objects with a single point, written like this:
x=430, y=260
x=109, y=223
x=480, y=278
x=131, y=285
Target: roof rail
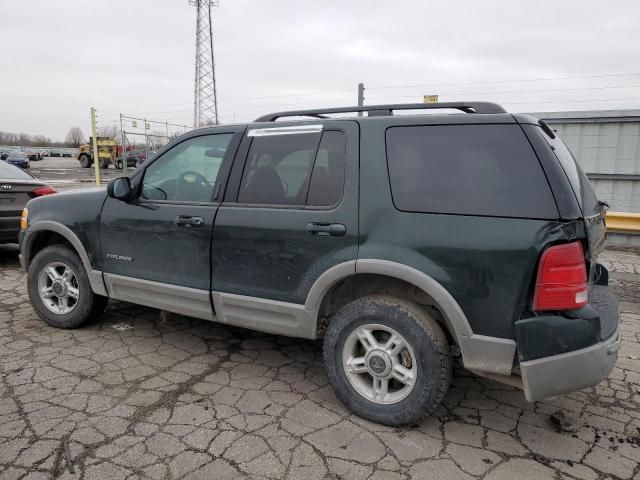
x=387, y=110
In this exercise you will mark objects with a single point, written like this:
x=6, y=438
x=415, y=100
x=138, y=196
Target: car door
x=156, y=247
x=289, y=215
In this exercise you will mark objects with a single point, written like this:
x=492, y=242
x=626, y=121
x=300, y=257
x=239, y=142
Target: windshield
x=9, y=172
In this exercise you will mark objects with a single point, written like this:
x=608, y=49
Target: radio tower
x=205, y=103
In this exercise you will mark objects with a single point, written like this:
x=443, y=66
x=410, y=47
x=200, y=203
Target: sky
x=136, y=57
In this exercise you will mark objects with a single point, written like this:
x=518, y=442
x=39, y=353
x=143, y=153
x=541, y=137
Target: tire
x=85, y=161
x=119, y=164
x=426, y=355
x=104, y=163
x=87, y=306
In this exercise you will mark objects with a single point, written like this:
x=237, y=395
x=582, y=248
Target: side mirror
x=120, y=189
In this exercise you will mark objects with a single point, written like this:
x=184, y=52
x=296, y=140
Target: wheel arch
x=46, y=232
x=479, y=352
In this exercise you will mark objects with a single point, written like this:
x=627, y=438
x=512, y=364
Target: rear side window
x=327, y=180
x=278, y=168
x=484, y=170
x=294, y=169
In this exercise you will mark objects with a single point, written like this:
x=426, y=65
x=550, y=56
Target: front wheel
x=387, y=359
x=85, y=161
x=59, y=288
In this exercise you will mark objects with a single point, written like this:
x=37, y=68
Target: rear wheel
x=59, y=288
x=387, y=359
x=85, y=161
x=104, y=163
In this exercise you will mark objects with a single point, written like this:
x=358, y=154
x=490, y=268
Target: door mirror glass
x=120, y=189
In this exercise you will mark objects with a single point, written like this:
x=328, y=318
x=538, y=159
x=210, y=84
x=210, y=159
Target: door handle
x=327, y=229
x=188, y=221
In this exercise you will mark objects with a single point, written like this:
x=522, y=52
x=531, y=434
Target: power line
x=544, y=79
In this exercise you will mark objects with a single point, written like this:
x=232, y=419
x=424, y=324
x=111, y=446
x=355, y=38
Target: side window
x=467, y=169
x=187, y=172
x=327, y=179
x=278, y=169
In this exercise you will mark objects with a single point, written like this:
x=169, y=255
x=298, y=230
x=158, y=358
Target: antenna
x=205, y=103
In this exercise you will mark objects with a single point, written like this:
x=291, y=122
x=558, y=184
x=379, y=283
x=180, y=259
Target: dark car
x=19, y=159
x=135, y=158
x=17, y=187
x=401, y=240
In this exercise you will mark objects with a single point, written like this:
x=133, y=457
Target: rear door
x=290, y=214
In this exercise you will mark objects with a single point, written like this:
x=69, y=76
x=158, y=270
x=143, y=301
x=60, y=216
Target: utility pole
x=96, y=160
x=360, y=97
x=205, y=101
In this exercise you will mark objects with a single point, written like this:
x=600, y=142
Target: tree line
x=74, y=138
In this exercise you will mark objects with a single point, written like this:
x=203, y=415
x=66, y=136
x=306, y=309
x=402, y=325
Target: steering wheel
x=194, y=181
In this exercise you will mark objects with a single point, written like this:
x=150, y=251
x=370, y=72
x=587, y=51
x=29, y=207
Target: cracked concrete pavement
x=174, y=397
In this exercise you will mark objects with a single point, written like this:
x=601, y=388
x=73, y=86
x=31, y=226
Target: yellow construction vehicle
x=107, y=153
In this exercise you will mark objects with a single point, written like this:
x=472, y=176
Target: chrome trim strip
x=298, y=129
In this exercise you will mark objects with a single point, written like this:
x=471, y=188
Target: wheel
x=59, y=288
x=387, y=359
x=85, y=161
x=104, y=163
x=119, y=164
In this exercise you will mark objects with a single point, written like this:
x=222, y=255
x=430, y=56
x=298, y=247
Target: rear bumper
x=567, y=372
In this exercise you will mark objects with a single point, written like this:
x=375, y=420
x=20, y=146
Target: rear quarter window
x=482, y=170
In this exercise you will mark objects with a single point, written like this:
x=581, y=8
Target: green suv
x=401, y=240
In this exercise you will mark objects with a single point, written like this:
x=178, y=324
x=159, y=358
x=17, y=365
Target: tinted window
x=327, y=180
x=467, y=169
x=278, y=169
x=187, y=172
x=9, y=172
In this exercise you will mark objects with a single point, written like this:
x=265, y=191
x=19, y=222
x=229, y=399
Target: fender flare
x=479, y=352
x=95, y=276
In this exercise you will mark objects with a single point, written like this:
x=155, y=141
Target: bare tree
x=111, y=131
x=75, y=137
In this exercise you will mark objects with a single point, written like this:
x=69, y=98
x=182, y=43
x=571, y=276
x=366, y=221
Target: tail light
x=562, y=279
x=46, y=190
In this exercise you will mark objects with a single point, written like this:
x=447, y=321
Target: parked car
x=44, y=153
x=55, y=153
x=401, y=240
x=18, y=159
x=4, y=153
x=135, y=158
x=17, y=187
x=33, y=155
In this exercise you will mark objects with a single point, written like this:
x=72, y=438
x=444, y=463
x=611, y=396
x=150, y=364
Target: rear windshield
x=9, y=172
x=483, y=170
x=582, y=188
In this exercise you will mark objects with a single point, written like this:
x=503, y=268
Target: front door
x=289, y=215
x=156, y=247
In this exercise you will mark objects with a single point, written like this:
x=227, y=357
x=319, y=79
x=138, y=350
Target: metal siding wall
x=606, y=148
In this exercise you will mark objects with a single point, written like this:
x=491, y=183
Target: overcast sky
x=59, y=57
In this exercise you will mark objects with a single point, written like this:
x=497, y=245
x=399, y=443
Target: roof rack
x=387, y=110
